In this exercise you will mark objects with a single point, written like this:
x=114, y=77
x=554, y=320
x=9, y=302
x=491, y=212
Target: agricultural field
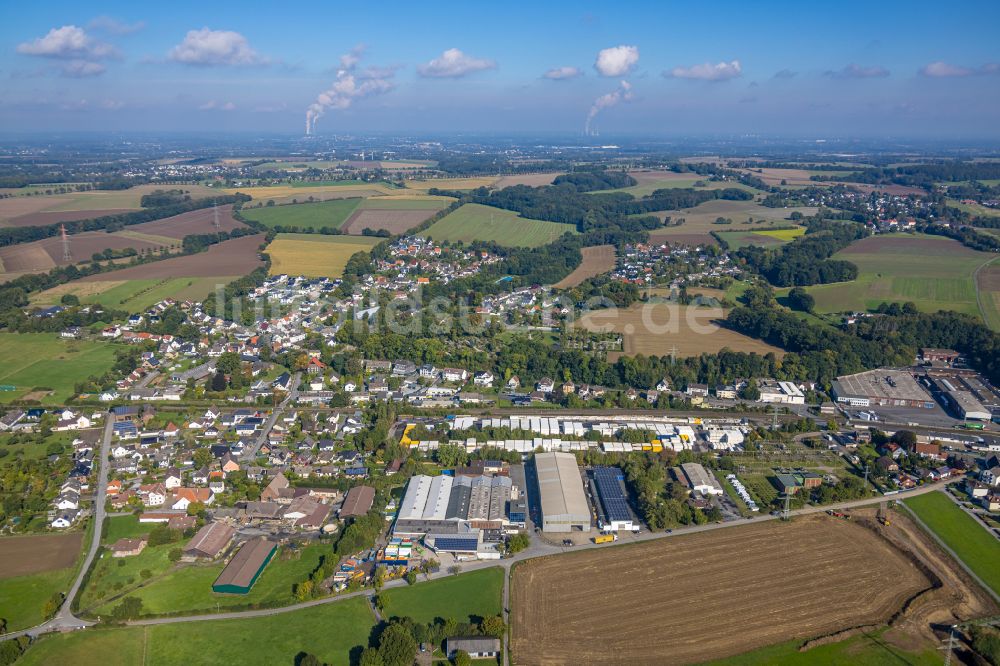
x=477, y=593
x=459, y=184
x=794, y=177
x=35, y=567
x=596, y=260
x=315, y=255
x=973, y=544
x=45, y=367
x=201, y=221
x=44, y=255
x=699, y=221
x=988, y=284
x=870, y=648
x=933, y=272
x=133, y=295
x=305, y=215
x=473, y=222
x=762, y=238
x=834, y=574
x=237, y=256
x=974, y=208
x=395, y=215
x=689, y=330
x=332, y=632
x=289, y=194
x=50, y=209
x=529, y=179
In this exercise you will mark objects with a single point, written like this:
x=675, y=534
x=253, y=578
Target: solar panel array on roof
x=468, y=544
x=609, y=489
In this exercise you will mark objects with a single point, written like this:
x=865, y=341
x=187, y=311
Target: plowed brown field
x=196, y=222
x=393, y=221
x=33, y=554
x=708, y=595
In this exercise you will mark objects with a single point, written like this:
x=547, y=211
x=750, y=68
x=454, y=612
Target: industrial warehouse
x=615, y=514
x=885, y=388
x=562, y=498
x=963, y=402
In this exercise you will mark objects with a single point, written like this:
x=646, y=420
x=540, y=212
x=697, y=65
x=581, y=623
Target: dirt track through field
x=596, y=260
x=709, y=595
x=34, y=554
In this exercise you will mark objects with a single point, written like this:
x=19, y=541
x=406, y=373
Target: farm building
x=209, y=542
x=477, y=647
x=701, y=480
x=886, y=388
x=562, y=499
x=245, y=567
x=615, y=514
x=358, y=501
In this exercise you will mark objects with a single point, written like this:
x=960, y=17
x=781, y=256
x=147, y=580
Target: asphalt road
x=251, y=453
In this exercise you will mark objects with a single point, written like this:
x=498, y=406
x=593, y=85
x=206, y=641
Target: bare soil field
x=394, y=221
x=709, y=595
x=43, y=255
x=195, y=222
x=596, y=260
x=657, y=329
x=530, y=179
x=233, y=257
x=34, y=554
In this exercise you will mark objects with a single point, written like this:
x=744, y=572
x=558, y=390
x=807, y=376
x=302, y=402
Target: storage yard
x=687, y=593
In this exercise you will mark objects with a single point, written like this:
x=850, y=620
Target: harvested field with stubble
x=25, y=555
x=709, y=595
x=596, y=260
x=315, y=255
x=657, y=329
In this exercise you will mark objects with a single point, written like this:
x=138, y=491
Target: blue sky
x=901, y=69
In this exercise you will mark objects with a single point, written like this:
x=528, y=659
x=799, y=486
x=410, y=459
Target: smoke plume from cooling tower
x=349, y=85
x=622, y=94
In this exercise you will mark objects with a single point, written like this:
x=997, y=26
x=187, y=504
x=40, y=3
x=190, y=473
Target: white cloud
x=943, y=70
x=563, y=73
x=452, y=64
x=722, y=71
x=112, y=105
x=856, y=71
x=73, y=44
x=113, y=26
x=215, y=47
x=212, y=105
x=83, y=68
x=617, y=60
x=349, y=86
x=68, y=41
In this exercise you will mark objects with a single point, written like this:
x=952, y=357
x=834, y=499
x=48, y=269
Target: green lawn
x=476, y=593
x=865, y=650
x=125, y=527
x=112, y=576
x=188, y=588
x=23, y=598
x=331, y=213
x=933, y=272
x=974, y=545
x=29, y=360
x=331, y=632
x=474, y=222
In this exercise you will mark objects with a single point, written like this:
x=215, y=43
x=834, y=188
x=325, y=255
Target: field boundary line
x=979, y=292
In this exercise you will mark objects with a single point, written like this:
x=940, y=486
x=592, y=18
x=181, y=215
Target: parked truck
x=605, y=538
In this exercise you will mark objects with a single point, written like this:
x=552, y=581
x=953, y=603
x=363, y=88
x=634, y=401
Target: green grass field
x=477, y=593
x=331, y=213
x=474, y=222
x=782, y=234
x=133, y=295
x=23, y=598
x=29, y=360
x=870, y=649
x=974, y=208
x=332, y=632
x=188, y=588
x=970, y=540
x=315, y=255
x=933, y=272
